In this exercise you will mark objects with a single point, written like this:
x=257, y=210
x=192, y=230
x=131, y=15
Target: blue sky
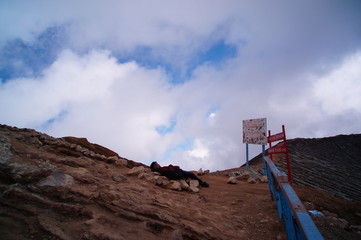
x=172, y=81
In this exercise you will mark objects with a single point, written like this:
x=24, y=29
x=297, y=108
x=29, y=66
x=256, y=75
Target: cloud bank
x=172, y=81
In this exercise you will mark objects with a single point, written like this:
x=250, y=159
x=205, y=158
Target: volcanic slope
x=68, y=188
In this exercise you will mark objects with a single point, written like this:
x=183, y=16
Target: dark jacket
x=171, y=172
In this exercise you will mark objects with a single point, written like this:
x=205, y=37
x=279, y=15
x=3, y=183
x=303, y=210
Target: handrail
x=299, y=225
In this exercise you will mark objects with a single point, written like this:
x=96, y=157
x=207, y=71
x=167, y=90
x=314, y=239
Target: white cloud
x=340, y=90
x=199, y=149
x=280, y=55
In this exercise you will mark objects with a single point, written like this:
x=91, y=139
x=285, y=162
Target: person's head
x=154, y=166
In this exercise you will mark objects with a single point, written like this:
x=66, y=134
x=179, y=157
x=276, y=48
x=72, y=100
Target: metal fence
x=291, y=211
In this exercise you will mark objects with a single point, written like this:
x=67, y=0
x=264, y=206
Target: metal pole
x=247, y=167
x=290, y=179
x=270, y=144
x=263, y=161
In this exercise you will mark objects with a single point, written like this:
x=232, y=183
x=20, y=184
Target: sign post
x=254, y=132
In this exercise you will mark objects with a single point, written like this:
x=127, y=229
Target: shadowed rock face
x=331, y=164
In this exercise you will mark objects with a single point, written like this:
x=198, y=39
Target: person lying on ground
x=176, y=173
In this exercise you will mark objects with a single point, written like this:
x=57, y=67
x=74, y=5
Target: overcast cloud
x=172, y=80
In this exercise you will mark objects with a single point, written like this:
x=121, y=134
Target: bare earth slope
x=90, y=196
x=68, y=188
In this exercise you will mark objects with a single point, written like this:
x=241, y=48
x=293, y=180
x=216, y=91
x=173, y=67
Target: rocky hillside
x=67, y=188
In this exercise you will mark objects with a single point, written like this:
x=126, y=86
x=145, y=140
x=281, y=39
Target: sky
x=172, y=81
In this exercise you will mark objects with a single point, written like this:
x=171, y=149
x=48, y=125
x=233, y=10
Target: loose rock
x=136, y=170
x=176, y=186
x=251, y=180
x=232, y=180
x=193, y=183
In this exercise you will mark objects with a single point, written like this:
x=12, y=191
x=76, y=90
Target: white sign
x=255, y=131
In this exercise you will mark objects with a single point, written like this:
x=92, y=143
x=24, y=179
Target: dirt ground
x=250, y=207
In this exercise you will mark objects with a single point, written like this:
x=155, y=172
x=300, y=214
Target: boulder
x=200, y=172
x=206, y=172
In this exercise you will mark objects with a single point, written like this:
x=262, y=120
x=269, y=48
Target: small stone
x=78, y=148
x=309, y=205
x=194, y=189
x=136, y=170
x=263, y=179
x=232, y=180
x=265, y=220
x=113, y=158
x=342, y=223
x=330, y=214
x=356, y=227
x=251, y=180
x=120, y=178
x=245, y=175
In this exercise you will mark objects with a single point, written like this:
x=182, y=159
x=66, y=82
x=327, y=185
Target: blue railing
x=291, y=211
